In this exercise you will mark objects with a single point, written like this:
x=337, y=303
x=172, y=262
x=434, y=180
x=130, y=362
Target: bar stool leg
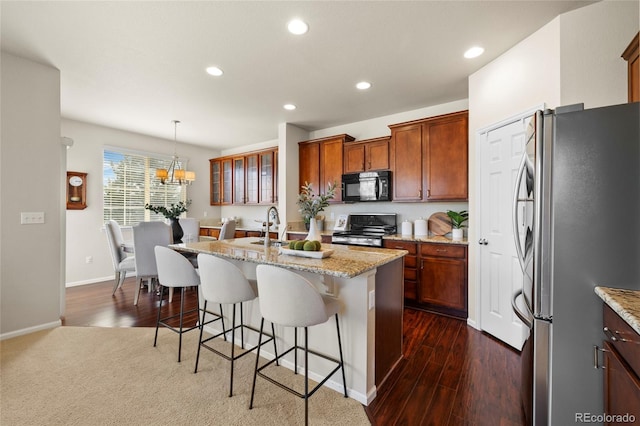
x=204, y=310
x=255, y=371
x=306, y=377
x=181, y=322
x=344, y=380
x=155, y=340
x=233, y=343
x=275, y=349
x=295, y=350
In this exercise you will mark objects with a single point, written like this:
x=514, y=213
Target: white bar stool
x=222, y=282
x=175, y=270
x=288, y=299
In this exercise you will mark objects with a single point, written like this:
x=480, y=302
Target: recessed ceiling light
x=289, y=107
x=297, y=27
x=363, y=85
x=215, y=71
x=474, y=52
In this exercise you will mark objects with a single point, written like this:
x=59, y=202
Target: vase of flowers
x=172, y=213
x=311, y=204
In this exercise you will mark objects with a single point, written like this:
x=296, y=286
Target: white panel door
x=500, y=275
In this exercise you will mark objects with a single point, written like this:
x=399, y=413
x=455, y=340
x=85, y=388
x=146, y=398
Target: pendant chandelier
x=175, y=175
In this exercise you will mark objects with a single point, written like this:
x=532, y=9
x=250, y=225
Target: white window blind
x=129, y=182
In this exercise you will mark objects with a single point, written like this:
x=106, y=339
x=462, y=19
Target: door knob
x=483, y=241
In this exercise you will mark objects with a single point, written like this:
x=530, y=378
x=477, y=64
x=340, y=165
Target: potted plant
x=172, y=213
x=457, y=222
x=311, y=204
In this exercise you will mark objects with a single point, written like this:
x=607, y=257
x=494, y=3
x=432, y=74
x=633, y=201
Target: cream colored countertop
x=625, y=303
x=432, y=239
x=400, y=237
x=346, y=261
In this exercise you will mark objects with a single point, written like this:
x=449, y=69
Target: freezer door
x=523, y=215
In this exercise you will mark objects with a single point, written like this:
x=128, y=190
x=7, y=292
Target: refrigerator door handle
x=517, y=311
x=516, y=192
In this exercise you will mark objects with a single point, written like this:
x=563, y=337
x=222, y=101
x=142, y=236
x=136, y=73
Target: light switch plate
x=30, y=218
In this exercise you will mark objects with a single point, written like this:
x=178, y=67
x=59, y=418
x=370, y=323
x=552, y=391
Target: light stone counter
x=430, y=239
x=369, y=284
x=346, y=261
x=625, y=303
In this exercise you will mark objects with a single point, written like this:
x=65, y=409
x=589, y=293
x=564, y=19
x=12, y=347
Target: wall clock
x=76, y=191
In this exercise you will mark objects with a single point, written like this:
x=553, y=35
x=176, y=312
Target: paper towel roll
x=407, y=228
x=421, y=228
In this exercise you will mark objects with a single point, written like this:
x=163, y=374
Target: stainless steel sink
x=272, y=243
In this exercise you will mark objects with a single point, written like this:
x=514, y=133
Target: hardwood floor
x=451, y=374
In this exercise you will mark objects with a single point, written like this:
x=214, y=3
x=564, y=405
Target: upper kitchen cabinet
x=429, y=158
x=321, y=162
x=633, y=66
x=370, y=154
x=248, y=178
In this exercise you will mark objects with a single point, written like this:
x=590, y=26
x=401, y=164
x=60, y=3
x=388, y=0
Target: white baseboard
x=29, y=330
x=91, y=281
x=473, y=323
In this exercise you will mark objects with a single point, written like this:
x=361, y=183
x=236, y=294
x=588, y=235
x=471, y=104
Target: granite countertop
x=346, y=261
x=625, y=303
x=431, y=239
x=400, y=237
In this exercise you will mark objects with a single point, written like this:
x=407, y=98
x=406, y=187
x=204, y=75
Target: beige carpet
x=114, y=376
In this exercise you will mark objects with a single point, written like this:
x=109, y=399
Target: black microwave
x=366, y=186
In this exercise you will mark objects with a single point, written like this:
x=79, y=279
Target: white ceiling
x=139, y=65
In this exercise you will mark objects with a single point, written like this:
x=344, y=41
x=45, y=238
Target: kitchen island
x=368, y=282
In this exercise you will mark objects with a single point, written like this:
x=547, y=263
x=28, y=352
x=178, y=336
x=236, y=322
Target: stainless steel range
x=367, y=229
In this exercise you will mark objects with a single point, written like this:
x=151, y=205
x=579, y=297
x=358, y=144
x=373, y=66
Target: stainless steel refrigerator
x=577, y=226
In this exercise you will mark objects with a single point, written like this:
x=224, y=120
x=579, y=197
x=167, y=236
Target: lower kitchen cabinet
x=435, y=276
x=621, y=367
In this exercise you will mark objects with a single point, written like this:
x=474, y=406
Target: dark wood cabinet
x=621, y=367
x=435, y=276
x=248, y=178
x=429, y=158
x=321, y=162
x=410, y=267
x=370, y=154
x=631, y=55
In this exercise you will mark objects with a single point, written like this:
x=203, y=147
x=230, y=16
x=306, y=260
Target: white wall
x=30, y=261
x=85, y=234
x=574, y=58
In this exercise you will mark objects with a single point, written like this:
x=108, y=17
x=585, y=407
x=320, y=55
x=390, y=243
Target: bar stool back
x=289, y=299
x=222, y=282
x=174, y=270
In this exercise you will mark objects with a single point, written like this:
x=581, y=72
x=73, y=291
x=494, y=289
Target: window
x=129, y=182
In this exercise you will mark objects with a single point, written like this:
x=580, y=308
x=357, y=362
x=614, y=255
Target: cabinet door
x=446, y=159
x=621, y=385
x=377, y=155
x=266, y=177
x=252, y=179
x=309, y=153
x=238, y=181
x=215, y=182
x=331, y=167
x=442, y=282
x=227, y=181
x=354, y=161
x=406, y=160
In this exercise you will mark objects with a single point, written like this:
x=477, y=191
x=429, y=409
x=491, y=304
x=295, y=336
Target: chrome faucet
x=277, y=222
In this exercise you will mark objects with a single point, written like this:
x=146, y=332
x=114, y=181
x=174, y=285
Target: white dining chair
x=190, y=229
x=146, y=236
x=122, y=262
x=228, y=230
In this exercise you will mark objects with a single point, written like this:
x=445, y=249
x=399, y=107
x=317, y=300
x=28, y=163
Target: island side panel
x=388, y=323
